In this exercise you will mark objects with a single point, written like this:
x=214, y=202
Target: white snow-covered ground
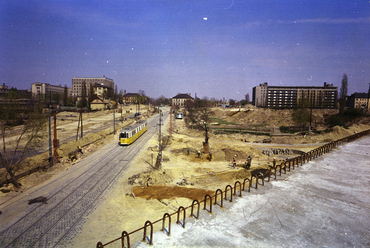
x=325, y=203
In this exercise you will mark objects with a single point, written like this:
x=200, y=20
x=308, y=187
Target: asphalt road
x=72, y=195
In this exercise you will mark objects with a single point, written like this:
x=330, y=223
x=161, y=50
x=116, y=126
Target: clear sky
x=214, y=48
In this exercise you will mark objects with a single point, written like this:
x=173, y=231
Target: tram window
x=123, y=135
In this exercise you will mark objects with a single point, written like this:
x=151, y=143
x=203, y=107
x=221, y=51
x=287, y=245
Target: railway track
x=71, y=198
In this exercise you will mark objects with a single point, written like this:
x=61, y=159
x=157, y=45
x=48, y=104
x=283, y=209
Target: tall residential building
x=359, y=100
x=45, y=88
x=259, y=98
x=290, y=96
x=90, y=82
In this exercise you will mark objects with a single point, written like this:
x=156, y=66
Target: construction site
x=187, y=172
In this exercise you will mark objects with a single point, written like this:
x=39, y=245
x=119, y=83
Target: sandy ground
x=320, y=204
x=146, y=194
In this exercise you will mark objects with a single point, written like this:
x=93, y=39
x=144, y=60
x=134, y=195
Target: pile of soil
x=162, y=192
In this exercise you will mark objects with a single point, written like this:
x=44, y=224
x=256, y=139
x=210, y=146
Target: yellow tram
x=131, y=133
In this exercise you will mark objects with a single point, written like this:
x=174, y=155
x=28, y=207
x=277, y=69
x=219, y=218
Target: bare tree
x=29, y=134
x=162, y=100
x=343, y=94
x=247, y=98
x=115, y=95
x=65, y=96
x=92, y=94
x=83, y=95
x=301, y=114
x=198, y=117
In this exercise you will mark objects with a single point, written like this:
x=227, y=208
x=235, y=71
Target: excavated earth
x=145, y=193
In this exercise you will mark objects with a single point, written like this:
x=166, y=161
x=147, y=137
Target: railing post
x=222, y=199
x=240, y=187
x=210, y=202
x=270, y=169
x=178, y=216
x=249, y=184
x=192, y=208
x=256, y=180
x=169, y=223
x=231, y=192
x=123, y=235
x=151, y=231
x=263, y=178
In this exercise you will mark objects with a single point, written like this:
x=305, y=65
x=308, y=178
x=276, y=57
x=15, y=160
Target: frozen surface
x=325, y=203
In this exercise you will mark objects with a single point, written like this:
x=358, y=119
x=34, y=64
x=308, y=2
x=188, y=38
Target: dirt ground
x=145, y=193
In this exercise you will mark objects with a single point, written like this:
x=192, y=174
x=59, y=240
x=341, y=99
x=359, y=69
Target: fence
x=248, y=183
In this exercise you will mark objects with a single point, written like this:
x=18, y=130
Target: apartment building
x=77, y=82
x=38, y=89
x=289, y=96
x=359, y=100
x=259, y=97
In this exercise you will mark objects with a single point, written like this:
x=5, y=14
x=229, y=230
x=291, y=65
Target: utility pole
x=171, y=120
x=50, y=148
x=310, y=119
x=114, y=119
x=368, y=98
x=55, y=160
x=159, y=157
x=82, y=129
x=78, y=126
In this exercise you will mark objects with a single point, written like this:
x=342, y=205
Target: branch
x=17, y=146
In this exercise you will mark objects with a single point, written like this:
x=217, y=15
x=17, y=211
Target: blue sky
x=214, y=48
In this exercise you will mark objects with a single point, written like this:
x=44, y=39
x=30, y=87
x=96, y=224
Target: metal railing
x=238, y=187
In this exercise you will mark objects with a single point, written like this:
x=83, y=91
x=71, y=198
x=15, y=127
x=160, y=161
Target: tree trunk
x=13, y=178
x=206, y=147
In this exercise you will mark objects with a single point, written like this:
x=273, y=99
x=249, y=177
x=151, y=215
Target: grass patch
x=348, y=116
x=222, y=122
x=285, y=129
x=235, y=130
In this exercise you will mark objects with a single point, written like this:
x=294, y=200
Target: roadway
x=72, y=196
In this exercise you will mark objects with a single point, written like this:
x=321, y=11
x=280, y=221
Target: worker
x=249, y=161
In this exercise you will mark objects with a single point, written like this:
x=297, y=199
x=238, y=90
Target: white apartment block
x=38, y=89
x=90, y=82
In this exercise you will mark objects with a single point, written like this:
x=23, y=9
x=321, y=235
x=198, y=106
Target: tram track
x=53, y=224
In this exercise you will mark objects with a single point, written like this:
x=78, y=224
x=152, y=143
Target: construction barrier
x=296, y=161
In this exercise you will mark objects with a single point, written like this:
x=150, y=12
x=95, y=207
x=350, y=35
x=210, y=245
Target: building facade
x=259, y=98
x=90, y=82
x=38, y=89
x=99, y=103
x=101, y=90
x=359, y=100
x=4, y=89
x=129, y=98
x=180, y=99
x=290, y=96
